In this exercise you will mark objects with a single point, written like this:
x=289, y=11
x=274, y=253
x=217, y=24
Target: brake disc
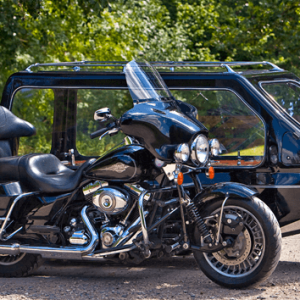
x=238, y=253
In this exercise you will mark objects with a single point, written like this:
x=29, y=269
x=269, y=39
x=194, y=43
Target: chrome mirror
x=102, y=114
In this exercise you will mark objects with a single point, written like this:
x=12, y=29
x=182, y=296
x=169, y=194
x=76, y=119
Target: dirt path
x=174, y=278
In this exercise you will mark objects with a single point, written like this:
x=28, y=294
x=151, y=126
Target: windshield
x=145, y=83
x=286, y=94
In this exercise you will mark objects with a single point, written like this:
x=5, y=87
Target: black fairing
x=130, y=163
x=160, y=126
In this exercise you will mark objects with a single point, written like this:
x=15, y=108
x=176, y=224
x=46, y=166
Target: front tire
x=19, y=265
x=256, y=252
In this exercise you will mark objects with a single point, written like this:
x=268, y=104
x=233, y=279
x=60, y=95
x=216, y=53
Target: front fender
x=223, y=189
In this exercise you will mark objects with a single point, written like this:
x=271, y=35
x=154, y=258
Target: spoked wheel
x=256, y=249
x=18, y=265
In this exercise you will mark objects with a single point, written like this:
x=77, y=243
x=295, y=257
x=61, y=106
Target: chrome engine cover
x=111, y=201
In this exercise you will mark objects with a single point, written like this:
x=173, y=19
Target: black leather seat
x=41, y=172
x=11, y=126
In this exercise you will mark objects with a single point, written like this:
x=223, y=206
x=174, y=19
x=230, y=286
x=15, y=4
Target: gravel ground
x=173, y=278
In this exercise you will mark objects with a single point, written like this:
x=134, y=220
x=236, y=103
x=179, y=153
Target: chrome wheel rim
x=248, y=250
x=7, y=260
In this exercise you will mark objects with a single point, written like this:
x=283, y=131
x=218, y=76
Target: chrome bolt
x=233, y=229
x=187, y=222
x=209, y=245
x=224, y=244
x=229, y=221
x=216, y=243
x=185, y=246
x=73, y=222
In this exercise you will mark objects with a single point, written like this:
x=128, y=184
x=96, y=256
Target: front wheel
x=255, y=252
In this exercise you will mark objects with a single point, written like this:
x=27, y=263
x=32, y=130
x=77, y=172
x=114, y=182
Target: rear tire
x=259, y=246
x=19, y=265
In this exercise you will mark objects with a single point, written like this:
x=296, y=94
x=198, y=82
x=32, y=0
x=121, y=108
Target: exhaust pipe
x=72, y=252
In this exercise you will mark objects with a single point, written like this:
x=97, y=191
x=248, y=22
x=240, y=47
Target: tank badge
x=118, y=167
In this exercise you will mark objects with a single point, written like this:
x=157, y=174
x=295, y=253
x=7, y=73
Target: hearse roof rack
x=77, y=65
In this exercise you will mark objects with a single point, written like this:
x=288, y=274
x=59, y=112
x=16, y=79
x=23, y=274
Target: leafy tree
x=259, y=30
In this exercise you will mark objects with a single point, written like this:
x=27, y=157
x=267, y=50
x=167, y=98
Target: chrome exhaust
x=71, y=252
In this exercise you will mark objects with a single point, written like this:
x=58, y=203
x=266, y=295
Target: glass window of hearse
x=172, y=88
x=271, y=98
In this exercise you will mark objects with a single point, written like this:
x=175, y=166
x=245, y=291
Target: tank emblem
x=118, y=167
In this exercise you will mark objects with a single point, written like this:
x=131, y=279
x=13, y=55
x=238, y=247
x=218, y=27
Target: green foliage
x=36, y=107
x=259, y=30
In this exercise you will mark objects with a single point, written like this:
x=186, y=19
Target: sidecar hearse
x=252, y=108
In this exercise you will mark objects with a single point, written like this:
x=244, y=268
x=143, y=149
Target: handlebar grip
x=98, y=132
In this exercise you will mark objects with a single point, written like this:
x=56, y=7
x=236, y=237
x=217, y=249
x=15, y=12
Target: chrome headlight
x=182, y=153
x=200, y=150
x=214, y=147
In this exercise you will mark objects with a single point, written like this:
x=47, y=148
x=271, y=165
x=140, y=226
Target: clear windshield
x=145, y=83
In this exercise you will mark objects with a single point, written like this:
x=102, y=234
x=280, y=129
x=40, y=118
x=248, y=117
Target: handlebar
x=98, y=132
x=111, y=128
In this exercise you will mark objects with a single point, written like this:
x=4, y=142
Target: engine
x=114, y=202
x=111, y=200
x=114, y=210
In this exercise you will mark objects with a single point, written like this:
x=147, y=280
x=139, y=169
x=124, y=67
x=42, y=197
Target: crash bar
x=170, y=64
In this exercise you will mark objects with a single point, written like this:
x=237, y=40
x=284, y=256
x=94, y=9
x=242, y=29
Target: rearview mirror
x=102, y=114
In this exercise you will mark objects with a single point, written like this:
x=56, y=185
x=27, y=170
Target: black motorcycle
x=133, y=203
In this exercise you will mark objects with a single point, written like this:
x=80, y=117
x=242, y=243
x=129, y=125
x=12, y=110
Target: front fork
x=187, y=202
x=192, y=210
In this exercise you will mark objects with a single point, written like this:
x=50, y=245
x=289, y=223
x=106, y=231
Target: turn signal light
x=211, y=173
x=180, y=178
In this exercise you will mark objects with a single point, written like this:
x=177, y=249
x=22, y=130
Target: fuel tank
x=160, y=126
x=130, y=163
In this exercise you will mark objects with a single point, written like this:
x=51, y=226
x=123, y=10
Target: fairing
x=160, y=126
x=157, y=120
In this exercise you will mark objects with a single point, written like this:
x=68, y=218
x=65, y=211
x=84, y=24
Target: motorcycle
x=132, y=203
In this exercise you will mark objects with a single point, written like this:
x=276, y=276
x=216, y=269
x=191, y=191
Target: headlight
x=200, y=150
x=182, y=153
x=214, y=147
